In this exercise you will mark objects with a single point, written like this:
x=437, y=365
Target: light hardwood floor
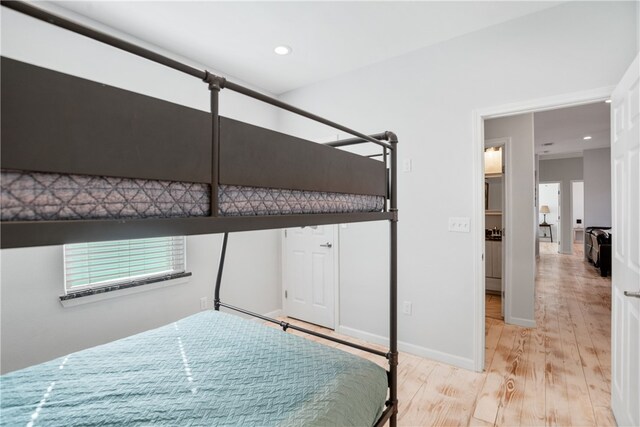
x=493, y=306
x=556, y=374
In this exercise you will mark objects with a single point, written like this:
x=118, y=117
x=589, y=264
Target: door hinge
x=285, y=233
x=285, y=294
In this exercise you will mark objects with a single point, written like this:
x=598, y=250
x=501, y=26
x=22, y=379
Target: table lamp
x=544, y=210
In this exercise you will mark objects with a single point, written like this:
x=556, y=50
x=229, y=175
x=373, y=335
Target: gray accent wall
x=597, y=187
x=563, y=171
x=520, y=207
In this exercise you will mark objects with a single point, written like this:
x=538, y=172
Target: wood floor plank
x=556, y=396
x=514, y=385
x=533, y=408
x=604, y=416
x=493, y=331
x=599, y=390
x=488, y=401
x=581, y=408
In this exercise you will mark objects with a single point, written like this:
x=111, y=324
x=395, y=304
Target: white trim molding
x=73, y=302
x=526, y=323
x=409, y=348
x=273, y=314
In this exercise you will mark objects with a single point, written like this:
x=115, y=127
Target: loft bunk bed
x=82, y=161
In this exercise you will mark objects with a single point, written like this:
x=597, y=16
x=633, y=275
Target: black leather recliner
x=598, y=248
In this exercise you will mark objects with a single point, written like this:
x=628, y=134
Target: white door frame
x=478, y=117
x=336, y=273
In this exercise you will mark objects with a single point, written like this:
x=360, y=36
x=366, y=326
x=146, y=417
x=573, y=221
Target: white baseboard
x=416, y=350
x=275, y=313
x=272, y=314
x=527, y=323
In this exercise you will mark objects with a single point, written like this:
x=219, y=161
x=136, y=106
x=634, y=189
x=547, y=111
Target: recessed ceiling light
x=608, y=101
x=586, y=138
x=282, y=50
x=546, y=144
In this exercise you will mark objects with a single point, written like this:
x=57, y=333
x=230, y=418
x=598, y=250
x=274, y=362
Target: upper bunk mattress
x=208, y=369
x=37, y=196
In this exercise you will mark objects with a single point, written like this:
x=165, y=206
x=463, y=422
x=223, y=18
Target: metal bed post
x=223, y=254
x=393, y=283
x=215, y=84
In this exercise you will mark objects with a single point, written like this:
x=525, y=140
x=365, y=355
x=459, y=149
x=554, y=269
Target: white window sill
x=67, y=301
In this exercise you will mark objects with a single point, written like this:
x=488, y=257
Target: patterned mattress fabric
x=243, y=201
x=33, y=196
x=211, y=368
x=37, y=196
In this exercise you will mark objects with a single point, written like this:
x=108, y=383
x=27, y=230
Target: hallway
x=565, y=373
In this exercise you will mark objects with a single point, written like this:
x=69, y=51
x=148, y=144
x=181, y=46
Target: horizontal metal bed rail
x=286, y=325
x=383, y=136
x=269, y=100
x=213, y=80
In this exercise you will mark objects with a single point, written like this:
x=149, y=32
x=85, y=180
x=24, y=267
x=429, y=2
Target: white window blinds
x=98, y=264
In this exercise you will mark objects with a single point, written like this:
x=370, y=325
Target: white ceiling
x=567, y=127
x=328, y=38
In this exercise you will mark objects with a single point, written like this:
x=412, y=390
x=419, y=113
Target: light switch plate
x=459, y=224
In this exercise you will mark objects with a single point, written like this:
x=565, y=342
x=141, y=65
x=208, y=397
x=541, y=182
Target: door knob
x=327, y=245
x=632, y=294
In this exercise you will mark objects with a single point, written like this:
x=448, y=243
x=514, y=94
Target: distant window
x=101, y=264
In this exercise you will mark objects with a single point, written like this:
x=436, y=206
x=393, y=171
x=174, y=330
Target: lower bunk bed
x=211, y=368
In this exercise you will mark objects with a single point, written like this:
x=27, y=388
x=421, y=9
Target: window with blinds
x=98, y=264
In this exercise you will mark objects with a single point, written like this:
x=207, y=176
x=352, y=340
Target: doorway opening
x=522, y=206
x=549, y=208
x=496, y=155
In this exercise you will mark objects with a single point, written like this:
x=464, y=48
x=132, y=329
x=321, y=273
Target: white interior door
x=308, y=274
x=625, y=274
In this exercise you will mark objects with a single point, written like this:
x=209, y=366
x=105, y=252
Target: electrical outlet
x=459, y=224
x=203, y=303
x=406, y=308
x=406, y=165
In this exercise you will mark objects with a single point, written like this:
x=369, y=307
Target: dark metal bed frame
x=224, y=137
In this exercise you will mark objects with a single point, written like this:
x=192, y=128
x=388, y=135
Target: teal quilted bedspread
x=208, y=369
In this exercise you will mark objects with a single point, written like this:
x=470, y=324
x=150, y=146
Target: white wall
x=35, y=327
x=597, y=187
x=563, y=171
x=520, y=293
x=428, y=97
